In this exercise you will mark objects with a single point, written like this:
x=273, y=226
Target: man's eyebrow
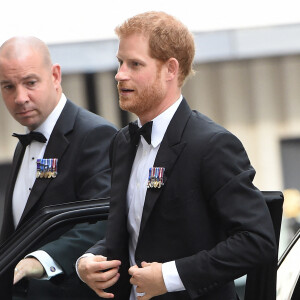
x=29, y=76
x=4, y=82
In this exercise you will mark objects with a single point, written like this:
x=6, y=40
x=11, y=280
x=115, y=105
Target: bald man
x=75, y=143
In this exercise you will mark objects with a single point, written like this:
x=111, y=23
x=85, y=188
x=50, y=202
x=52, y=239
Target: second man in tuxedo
x=73, y=145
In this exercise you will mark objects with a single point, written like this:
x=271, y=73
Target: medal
x=46, y=173
x=156, y=177
x=54, y=167
x=42, y=168
x=38, y=168
x=50, y=171
x=46, y=168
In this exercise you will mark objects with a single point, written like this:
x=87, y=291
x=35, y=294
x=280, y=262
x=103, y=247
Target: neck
x=169, y=101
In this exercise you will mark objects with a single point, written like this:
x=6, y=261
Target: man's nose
x=122, y=73
x=21, y=95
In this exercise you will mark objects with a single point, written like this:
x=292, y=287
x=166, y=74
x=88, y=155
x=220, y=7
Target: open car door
x=54, y=224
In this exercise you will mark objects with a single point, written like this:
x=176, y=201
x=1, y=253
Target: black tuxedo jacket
x=208, y=216
x=80, y=140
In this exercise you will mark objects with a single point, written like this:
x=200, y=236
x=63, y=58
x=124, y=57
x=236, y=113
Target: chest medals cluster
x=156, y=177
x=46, y=168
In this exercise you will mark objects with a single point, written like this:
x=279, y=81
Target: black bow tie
x=26, y=139
x=136, y=132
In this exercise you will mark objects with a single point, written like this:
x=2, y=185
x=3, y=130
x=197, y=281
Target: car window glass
x=288, y=273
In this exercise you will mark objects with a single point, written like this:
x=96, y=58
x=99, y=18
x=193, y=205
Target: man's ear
x=172, y=68
x=56, y=74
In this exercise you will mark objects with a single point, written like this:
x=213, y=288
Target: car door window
x=66, y=232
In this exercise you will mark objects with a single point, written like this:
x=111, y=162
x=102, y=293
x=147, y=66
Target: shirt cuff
x=171, y=277
x=52, y=268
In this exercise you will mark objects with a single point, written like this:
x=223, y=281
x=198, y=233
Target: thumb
x=132, y=269
x=145, y=264
x=18, y=276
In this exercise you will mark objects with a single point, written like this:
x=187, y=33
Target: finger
x=133, y=280
x=110, y=264
x=18, y=275
x=103, y=294
x=101, y=285
x=104, y=265
x=145, y=264
x=139, y=289
x=99, y=278
x=133, y=269
x=106, y=275
x=99, y=258
x=91, y=267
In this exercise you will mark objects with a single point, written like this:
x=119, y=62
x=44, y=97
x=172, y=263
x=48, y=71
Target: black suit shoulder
x=81, y=118
x=202, y=127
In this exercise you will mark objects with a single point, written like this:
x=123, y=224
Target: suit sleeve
x=99, y=248
x=250, y=240
x=93, y=171
x=93, y=181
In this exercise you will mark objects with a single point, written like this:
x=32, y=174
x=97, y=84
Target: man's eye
x=135, y=64
x=7, y=87
x=31, y=83
x=120, y=63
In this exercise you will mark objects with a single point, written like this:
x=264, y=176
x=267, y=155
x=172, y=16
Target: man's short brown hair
x=168, y=38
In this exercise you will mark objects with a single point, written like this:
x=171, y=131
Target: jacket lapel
x=8, y=224
x=169, y=151
x=122, y=154
x=122, y=164
x=57, y=145
x=19, y=153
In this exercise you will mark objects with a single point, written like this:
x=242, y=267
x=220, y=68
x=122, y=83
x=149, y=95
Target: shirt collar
x=47, y=126
x=161, y=123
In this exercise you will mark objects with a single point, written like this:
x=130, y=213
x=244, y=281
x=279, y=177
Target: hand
x=148, y=279
x=99, y=273
x=28, y=267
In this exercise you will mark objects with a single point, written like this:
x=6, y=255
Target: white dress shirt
x=27, y=175
x=137, y=189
